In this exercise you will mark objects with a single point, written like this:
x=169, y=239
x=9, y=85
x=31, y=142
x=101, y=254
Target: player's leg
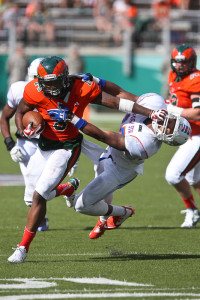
x=90, y=202
x=54, y=170
x=182, y=163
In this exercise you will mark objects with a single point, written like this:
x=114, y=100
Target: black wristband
x=10, y=143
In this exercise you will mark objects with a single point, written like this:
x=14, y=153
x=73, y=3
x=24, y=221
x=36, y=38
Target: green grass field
x=148, y=257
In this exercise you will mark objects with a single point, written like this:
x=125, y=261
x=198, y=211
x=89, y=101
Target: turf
x=148, y=257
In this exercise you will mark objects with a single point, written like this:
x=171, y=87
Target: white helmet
x=32, y=69
x=180, y=135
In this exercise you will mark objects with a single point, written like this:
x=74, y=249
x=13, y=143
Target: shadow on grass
x=148, y=228
x=143, y=256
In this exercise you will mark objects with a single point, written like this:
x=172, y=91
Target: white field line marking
x=38, y=283
x=104, y=295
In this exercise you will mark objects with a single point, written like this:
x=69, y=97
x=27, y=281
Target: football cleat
x=191, y=218
x=98, y=230
x=69, y=199
x=44, y=225
x=18, y=256
x=114, y=221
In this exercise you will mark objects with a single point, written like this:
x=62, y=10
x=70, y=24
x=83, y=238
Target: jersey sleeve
x=192, y=83
x=10, y=99
x=30, y=93
x=135, y=148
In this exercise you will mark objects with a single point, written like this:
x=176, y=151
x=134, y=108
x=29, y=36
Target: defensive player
x=139, y=139
x=60, y=142
x=183, y=170
x=23, y=149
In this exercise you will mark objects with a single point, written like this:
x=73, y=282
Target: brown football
x=35, y=117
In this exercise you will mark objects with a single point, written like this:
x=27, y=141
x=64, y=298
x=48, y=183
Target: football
x=35, y=117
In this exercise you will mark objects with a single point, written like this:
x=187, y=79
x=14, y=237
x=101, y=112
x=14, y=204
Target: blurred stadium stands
x=78, y=25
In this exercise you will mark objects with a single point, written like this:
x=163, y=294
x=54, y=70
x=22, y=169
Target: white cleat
x=18, y=256
x=191, y=218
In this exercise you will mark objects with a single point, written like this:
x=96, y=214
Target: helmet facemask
x=54, y=86
x=174, y=131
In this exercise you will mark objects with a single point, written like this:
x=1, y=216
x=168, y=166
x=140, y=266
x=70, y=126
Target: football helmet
x=53, y=77
x=32, y=69
x=183, y=60
x=180, y=130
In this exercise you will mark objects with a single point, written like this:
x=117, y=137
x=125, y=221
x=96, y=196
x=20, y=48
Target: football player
x=23, y=149
x=183, y=170
x=137, y=140
x=60, y=142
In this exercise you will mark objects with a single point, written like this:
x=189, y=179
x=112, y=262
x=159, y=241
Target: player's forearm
x=5, y=127
x=116, y=91
x=191, y=114
x=110, y=138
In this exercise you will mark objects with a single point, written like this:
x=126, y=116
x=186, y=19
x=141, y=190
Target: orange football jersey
x=181, y=91
x=81, y=94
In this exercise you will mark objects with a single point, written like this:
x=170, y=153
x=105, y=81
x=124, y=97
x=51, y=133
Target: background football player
x=183, y=170
x=23, y=149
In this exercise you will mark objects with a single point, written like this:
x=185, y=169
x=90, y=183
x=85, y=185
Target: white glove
x=73, y=169
x=18, y=154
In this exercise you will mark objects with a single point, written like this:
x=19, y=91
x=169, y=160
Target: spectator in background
x=17, y=65
x=74, y=60
x=39, y=22
x=102, y=13
x=124, y=15
x=161, y=10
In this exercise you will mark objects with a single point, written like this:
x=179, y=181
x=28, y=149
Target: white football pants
x=185, y=163
x=94, y=199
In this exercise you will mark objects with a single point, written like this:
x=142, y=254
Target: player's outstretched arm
x=113, y=96
x=110, y=138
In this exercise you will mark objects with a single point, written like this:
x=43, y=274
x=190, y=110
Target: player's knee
x=172, y=177
x=80, y=205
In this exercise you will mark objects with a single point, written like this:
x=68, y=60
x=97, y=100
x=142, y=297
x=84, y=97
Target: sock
x=65, y=189
x=189, y=202
x=27, y=238
x=118, y=211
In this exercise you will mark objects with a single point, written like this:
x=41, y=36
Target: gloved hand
x=158, y=114
x=30, y=132
x=61, y=114
x=89, y=77
x=18, y=154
